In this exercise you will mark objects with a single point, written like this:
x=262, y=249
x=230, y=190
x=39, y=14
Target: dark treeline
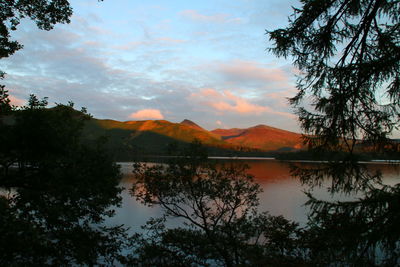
x=321, y=155
x=55, y=190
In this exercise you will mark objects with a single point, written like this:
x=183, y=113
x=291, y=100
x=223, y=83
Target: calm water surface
x=282, y=194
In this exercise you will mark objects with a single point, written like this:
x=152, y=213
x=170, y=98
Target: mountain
x=131, y=138
x=261, y=137
x=153, y=137
x=191, y=124
x=178, y=131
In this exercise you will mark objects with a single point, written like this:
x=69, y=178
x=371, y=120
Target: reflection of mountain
x=153, y=137
x=261, y=137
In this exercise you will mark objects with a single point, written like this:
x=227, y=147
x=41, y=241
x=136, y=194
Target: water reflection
x=359, y=225
x=282, y=194
x=131, y=213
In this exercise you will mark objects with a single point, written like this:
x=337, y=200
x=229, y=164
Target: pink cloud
x=227, y=101
x=248, y=70
x=147, y=114
x=209, y=92
x=16, y=101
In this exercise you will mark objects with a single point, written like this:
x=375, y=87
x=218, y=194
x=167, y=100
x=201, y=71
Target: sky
x=207, y=61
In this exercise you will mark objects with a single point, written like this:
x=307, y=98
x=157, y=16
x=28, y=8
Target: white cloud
x=216, y=18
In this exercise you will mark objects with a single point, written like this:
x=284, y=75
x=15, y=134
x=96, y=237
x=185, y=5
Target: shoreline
x=374, y=161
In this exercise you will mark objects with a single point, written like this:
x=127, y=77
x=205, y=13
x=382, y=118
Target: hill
x=191, y=124
x=261, y=137
x=153, y=137
x=149, y=137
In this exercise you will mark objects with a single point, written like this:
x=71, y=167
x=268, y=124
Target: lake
x=282, y=194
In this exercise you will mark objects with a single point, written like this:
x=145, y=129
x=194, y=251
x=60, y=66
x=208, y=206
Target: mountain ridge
x=154, y=136
x=192, y=124
x=262, y=137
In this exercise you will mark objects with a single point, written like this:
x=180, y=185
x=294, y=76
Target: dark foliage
x=5, y=106
x=363, y=232
x=348, y=53
x=45, y=13
x=56, y=191
x=217, y=207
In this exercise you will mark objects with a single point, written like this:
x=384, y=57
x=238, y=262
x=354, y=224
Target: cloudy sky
x=206, y=61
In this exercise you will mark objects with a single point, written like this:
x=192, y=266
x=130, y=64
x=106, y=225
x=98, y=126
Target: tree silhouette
x=348, y=53
x=56, y=191
x=220, y=222
x=45, y=13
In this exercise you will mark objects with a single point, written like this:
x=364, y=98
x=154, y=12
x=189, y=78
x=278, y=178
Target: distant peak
x=263, y=126
x=191, y=124
x=186, y=121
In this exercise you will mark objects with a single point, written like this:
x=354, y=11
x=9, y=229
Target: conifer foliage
x=348, y=54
